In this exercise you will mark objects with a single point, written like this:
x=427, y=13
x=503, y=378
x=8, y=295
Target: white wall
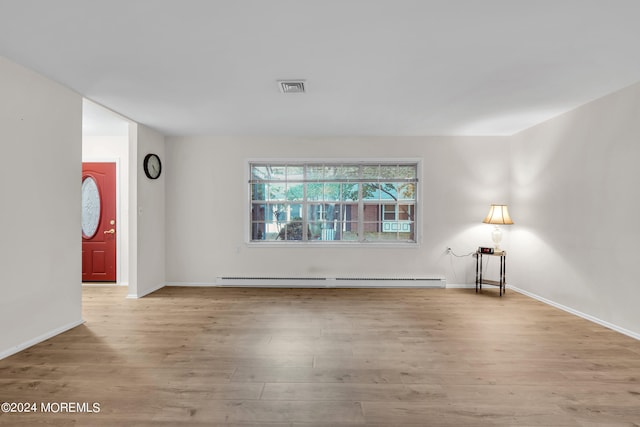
x=575, y=203
x=150, y=218
x=40, y=177
x=114, y=148
x=207, y=209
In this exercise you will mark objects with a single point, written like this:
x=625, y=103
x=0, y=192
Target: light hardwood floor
x=328, y=357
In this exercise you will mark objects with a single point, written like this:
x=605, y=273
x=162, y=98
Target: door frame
x=119, y=216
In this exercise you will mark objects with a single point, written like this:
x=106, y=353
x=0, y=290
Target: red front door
x=98, y=222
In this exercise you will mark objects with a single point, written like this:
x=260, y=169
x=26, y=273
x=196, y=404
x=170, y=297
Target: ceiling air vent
x=291, y=86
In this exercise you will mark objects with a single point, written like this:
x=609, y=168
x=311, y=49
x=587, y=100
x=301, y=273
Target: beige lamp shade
x=498, y=214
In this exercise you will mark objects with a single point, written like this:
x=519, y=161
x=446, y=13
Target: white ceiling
x=372, y=67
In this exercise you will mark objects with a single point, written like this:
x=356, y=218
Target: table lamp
x=498, y=214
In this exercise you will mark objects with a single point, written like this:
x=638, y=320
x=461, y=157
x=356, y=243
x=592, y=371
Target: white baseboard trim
x=318, y=283
x=147, y=292
x=577, y=313
x=192, y=284
x=23, y=346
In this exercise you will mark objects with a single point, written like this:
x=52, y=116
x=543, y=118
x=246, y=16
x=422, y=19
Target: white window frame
x=417, y=234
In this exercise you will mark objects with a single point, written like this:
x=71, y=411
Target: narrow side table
x=480, y=280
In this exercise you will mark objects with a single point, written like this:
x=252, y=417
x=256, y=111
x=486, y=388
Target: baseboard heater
x=332, y=282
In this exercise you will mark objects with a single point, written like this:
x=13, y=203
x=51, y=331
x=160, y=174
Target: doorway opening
x=105, y=184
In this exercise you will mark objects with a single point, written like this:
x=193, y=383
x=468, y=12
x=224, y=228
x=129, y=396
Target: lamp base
x=496, y=236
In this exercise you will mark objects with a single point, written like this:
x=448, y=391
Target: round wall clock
x=152, y=166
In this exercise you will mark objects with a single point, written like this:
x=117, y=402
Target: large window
x=336, y=202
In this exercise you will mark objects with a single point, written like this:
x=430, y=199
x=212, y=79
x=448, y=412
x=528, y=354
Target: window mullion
x=305, y=206
x=360, y=207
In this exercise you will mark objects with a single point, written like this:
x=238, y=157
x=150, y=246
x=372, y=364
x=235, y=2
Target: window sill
x=328, y=244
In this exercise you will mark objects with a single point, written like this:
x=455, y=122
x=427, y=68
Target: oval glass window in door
x=90, y=207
